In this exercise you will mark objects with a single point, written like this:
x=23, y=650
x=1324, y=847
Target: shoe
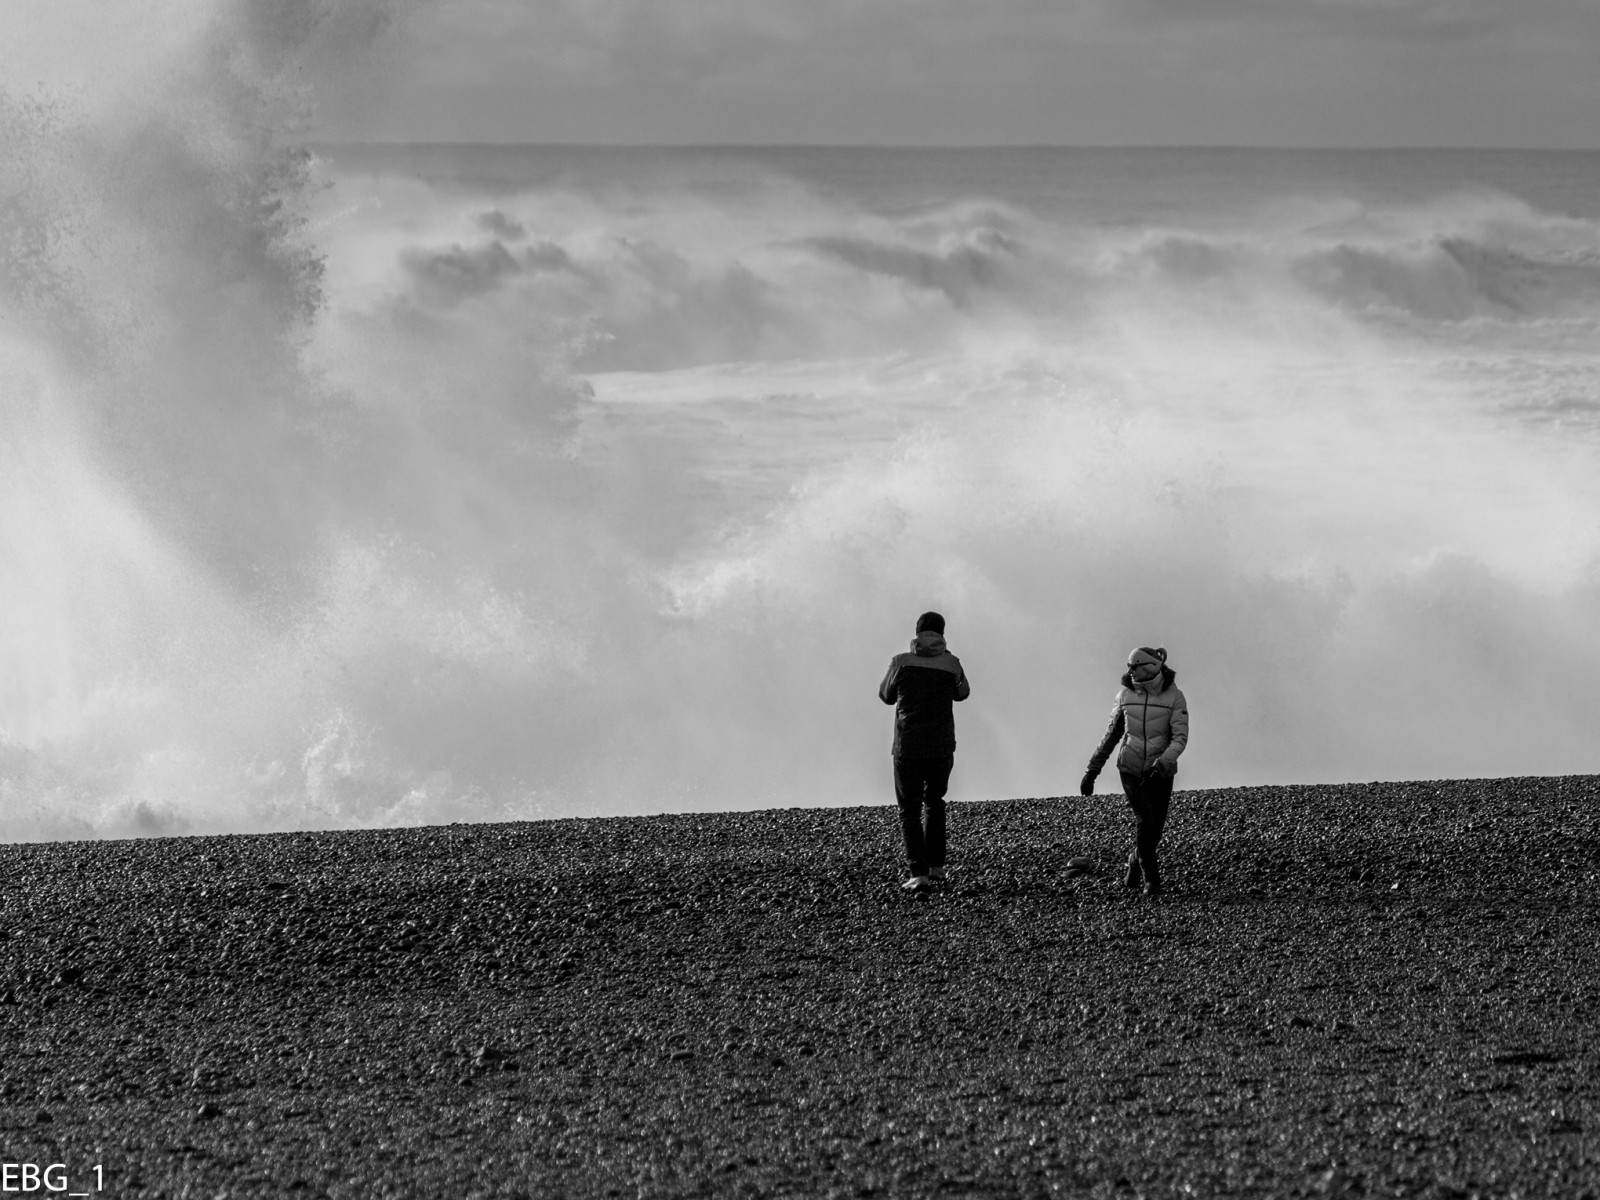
x=936, y=874
x=1152, y=889
x=1135, y=874
x=917, y=883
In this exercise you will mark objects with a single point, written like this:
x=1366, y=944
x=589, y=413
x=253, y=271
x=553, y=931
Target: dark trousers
x=1149, y=797
x=919, y=784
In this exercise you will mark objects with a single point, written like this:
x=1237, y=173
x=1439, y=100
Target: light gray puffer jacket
x=1152, y=721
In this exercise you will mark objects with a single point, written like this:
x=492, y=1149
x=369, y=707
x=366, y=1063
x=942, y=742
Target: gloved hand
x=1162, y=768
x=1086, y=788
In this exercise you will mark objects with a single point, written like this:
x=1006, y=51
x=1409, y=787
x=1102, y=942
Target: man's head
x=1145, y=663
x=930, y=622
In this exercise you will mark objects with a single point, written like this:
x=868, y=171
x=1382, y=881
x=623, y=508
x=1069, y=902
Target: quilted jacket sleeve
x=1108, y=742
x=1179, y=738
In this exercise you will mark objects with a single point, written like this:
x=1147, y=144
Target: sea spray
x=388, y=486
x=796, y=438
x=164, y=447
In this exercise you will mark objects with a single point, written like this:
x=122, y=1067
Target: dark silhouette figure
x=1151, y=719
x=923, y=684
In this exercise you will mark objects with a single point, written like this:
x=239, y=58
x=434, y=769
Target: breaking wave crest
x=663, y=297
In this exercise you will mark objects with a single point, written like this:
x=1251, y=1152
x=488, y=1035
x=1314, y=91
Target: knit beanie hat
x=930, y=622
x=1146, y=654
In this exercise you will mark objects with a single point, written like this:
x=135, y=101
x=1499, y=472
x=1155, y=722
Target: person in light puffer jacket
x=1151, y=720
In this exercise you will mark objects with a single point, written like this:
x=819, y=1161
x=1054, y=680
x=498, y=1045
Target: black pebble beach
x=1358, y=990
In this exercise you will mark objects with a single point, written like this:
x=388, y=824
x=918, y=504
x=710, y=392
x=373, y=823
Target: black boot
x=1134, y=876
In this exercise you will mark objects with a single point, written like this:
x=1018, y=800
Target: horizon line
x=1398, y=148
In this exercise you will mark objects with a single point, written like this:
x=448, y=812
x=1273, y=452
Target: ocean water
x=351, y=486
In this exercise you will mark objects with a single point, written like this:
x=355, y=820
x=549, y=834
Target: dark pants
x=920, y=783
x=1149, y=797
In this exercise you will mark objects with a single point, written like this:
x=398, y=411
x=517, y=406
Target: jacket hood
x=928, y=644
x=1168, y=678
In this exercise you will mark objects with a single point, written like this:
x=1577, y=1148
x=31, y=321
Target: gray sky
x=1251, y=72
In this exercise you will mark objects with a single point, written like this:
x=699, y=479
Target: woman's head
x=1145, y=663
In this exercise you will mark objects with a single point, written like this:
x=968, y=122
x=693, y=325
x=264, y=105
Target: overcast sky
x=1250, y=72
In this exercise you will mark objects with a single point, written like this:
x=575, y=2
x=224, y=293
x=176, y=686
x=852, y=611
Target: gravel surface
x=1374, y=989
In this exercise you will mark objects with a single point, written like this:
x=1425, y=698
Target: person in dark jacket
x=923, y=684
x=1150, y=719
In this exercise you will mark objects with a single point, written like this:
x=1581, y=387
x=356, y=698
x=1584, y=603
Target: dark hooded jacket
x=1152, y=722
x=922, y=684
